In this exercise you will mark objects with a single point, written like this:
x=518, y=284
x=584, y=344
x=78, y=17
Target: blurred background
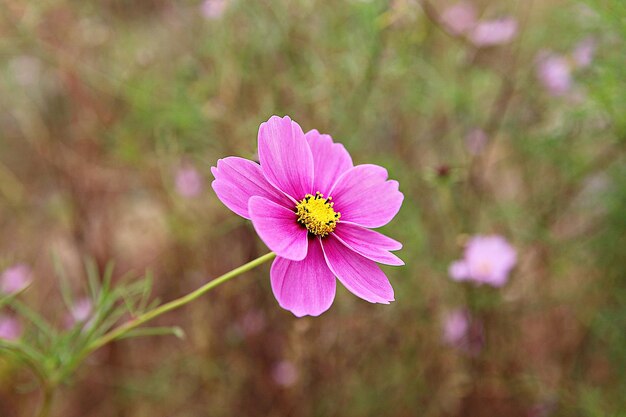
x=497, y=117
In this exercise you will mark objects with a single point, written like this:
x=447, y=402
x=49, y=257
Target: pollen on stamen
x=317, y=214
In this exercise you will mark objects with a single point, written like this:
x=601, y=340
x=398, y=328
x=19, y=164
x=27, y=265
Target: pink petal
x=238, y=179
x=583, y=54
x=366, y=242
x=494, y=32
x=364, y=196
x=458, y=271
x=277, y=226
x=189, y=182
x=306, y=287
x=358, y=274
x=330, y=160
x=459, y=18
x=10, y=328
x=285, y=156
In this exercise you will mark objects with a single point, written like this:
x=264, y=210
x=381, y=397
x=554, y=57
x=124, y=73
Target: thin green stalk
x=46, y=405
x=172, y=305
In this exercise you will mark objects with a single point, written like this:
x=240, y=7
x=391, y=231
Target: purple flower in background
x=475, y=141
x=188, y=182
x=461, y=331
x=285, y=374
x=487, y=260
x=459, y=18
x=583, y=53
x=15, y=278
x=554, y=72
x=311, y=206
x=213, y=9
x=253, y=322
x=10, y=328
x=81, y=311
x=455, y=326
x=494, y=32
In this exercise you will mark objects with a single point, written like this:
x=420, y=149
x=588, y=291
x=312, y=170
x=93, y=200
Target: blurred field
x=102, y=103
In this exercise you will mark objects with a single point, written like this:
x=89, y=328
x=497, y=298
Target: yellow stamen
x=316, y=213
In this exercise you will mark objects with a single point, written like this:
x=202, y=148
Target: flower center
x=484, y=268
x=316, y=213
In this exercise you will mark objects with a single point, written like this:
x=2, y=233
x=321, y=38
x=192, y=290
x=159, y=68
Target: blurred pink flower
x=463, y=332
x=475, y=141
x=188, y=182
x=15, y=278
x=10, y=328
x=253, y=322
x=554, y=72
x=317, y=239
x=455, y=326
x=213, y=9
x=583, y=53
x=285, y=373
x=494, y=32
x=80, y=313
x=81, y=310
x=459, y=18
x=487, y=260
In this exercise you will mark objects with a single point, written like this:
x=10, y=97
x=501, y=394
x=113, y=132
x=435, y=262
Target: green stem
x=172, y=305
x=48, y=395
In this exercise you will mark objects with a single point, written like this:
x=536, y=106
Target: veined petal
x=330, y=160
x=364, y=196
x=358, y=274
x=373, y=245
x=238, y=179
x=277, y=226
x=285, y=156
x=305, y=287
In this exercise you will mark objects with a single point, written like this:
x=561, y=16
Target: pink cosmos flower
x=555, y=73
x=459, y=18
x=10, y=328
x=583, y=53
x=487, y=260
x=213, y=9
x=15, y=278
x=455, y=326
x=475, y=141
x=311, y=206
x=462, y=331
x=81, y=311
x=188, y=182
x=494, y=32
x=253, y=322
x=285, y=373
